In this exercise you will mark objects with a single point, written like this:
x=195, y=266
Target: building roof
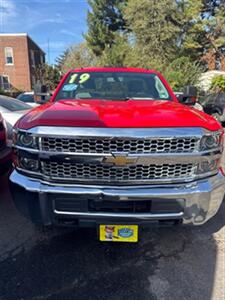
x=21, y=34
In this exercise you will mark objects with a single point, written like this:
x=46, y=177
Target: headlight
x=26, y=140
x=29, y=164
x=206, y=166
x=211, y=141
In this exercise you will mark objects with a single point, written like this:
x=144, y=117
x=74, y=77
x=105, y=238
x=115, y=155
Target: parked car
x=33, y=99
x=5, y=152
x=214, y=104
x=11, y=110
x=115, y=150
x=28, y=97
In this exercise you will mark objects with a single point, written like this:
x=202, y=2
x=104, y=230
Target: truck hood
x=116, y=114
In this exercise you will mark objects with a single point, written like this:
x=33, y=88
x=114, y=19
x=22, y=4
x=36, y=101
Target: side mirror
x=179, y=96
x=189, y=96
x=41, y=94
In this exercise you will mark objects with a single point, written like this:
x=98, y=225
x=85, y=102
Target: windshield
x=13, y=104
x=113, y=86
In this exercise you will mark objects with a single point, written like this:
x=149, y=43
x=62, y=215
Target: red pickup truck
x=5, y=152
x=115, y=149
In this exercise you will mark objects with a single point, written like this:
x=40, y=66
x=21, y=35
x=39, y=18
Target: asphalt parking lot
x=167, y=263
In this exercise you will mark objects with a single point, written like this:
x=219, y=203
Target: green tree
x=105, y=19
x=48, y=75
x=181, y=72
x=117, y=54
x=171, y=35
x=78, y=55
x=214, y=21
x=166, y=29
x=191, y=28
x=60, y=60
x=154, y=31
x=218, y=84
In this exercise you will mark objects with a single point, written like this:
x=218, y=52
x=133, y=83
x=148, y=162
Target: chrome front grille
x=94, y=172
x=107, y=145
x=120, y=156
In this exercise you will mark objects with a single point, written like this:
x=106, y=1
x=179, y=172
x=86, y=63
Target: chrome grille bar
x=120, y=155
x=58, y=170
x=105, y=145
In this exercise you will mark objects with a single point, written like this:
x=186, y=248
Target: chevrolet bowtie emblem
x=120, y=160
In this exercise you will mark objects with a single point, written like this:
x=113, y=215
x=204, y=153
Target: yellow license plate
x=119, y=233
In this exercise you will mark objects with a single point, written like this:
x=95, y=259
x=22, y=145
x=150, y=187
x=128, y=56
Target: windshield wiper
x=119, y=99
x=138, y=98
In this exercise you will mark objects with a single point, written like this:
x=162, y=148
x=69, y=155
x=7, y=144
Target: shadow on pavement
x=167, y=263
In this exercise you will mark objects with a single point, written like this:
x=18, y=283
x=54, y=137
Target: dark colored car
x=214, y=105
x=5, y=152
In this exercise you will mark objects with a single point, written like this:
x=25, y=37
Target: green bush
x=218, y=83
x=182, y=72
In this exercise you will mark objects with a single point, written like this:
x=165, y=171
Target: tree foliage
x=218, y=84
x=214, y=22
x=60, y=60
x=78, y=56
x=116, y=55
x=177, y=37
x=151, y=23
x=48, y=75
x=105, y=20
x=182, y=72
x=165, y=37
x=191, y=28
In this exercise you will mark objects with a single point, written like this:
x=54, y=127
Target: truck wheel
x=216, y=116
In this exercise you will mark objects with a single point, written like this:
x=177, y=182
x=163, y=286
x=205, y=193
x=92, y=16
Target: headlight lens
x=24, y=139
x=211, y=141
x=29, y=164
x=206, y=166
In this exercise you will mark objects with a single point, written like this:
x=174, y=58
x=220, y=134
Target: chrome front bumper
x=201, y=199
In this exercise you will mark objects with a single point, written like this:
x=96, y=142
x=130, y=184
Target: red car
x=5, y=152
x=114, y=149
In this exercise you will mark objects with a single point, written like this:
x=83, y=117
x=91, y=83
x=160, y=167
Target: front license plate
x=118, y=233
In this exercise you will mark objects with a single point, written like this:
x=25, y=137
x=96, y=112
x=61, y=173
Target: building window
x=4, y=82
x=9, y=56
x=32, y=58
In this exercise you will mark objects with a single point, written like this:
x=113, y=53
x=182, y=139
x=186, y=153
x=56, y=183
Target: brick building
x=19, y=56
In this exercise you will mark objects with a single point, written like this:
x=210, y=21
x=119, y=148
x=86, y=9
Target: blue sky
x=62, y=22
